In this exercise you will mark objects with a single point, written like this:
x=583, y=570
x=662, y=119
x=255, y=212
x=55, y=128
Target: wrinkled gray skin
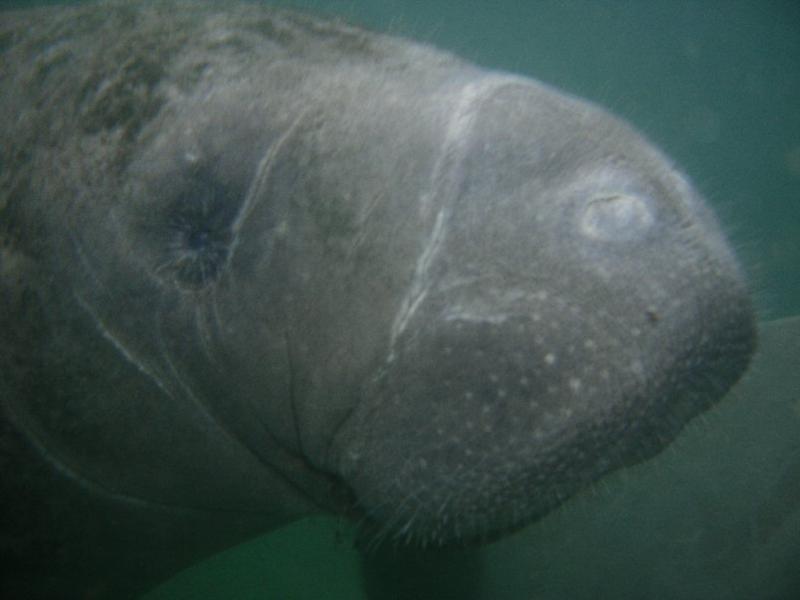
x=256, y=265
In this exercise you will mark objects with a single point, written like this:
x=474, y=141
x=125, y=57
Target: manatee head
x=573, y=305
x=257, y=265
x=440, y=299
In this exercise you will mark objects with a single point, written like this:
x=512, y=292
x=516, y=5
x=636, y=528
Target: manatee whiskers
x=417, y=517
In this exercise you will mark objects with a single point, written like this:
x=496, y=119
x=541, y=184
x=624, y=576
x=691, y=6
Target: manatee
x=258, y=265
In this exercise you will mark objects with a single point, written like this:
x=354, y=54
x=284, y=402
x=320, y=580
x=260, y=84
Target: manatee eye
x=198, y=234
x=616, y=216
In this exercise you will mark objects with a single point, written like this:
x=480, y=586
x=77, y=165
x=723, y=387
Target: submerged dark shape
x=256, y=265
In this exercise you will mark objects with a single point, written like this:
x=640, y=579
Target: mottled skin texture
x=256, y=265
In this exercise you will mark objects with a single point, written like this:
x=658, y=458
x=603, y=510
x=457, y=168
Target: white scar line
x=443, y=184
x=120, y=346
x=419, y=285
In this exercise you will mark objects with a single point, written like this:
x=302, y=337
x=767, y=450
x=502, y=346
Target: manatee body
x=257, y=265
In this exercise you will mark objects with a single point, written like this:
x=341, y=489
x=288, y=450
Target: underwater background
x=715, y=84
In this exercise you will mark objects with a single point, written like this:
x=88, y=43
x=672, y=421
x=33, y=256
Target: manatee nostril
x=198, y=239
x=610, y=217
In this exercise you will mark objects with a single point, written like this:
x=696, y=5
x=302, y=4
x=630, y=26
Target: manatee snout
x=479, y=426
x=568, y=326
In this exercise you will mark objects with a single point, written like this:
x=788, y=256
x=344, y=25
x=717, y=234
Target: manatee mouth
x=479, y=426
